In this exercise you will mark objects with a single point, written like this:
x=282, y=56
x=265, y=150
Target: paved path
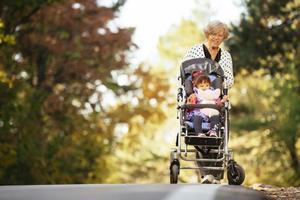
x=129, y=192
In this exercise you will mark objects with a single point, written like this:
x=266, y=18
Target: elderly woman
x=215, y=32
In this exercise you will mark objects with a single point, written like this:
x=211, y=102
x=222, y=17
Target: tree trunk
x=295, y=161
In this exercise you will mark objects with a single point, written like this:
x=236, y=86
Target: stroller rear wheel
x=235, y=173
x=174, y=172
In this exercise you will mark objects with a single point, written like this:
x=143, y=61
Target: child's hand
x=219, y=102
x=191, y=99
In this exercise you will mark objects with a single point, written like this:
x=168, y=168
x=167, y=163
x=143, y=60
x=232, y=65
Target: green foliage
x=5, y=39
x=267, y=36
x=51, y=130
x=72, y=110
x=178, y=40
x=273, y=140
x=18, y=13
x=266, y=97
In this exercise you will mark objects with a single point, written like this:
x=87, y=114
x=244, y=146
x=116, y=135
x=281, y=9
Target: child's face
x=203, y=85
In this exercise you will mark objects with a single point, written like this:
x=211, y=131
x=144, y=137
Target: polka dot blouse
x=223, y=58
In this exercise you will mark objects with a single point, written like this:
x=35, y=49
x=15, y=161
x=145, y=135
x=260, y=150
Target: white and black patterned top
x=223, y=58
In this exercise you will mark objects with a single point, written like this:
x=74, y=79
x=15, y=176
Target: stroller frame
x=212, y=154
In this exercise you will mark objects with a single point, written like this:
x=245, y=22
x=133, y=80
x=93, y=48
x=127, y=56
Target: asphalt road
x=129, y=192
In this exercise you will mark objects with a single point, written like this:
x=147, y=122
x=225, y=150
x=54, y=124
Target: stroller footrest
x=213, y=168
x=205, y=141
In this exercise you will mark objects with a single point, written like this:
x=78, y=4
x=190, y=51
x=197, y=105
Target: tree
x=267, y=41
x=267, y=36
x=53, y=132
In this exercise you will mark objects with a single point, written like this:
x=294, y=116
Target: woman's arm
x=228, y=69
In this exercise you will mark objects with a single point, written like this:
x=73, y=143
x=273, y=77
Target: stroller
x=211, y=154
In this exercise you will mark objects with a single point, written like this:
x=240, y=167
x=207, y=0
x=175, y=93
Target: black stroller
x=211, y=154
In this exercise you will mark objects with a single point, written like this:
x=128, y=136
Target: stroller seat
x=216, y=83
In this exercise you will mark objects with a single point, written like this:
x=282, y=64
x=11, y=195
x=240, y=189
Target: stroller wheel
x=174, y=172
x=235, y=174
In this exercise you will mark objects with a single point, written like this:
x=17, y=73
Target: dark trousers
x=197, y=121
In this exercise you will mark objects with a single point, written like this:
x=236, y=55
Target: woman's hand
x=221, y=102
x=225, y=98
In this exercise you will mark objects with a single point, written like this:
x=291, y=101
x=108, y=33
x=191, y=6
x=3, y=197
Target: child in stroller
x=204, y=94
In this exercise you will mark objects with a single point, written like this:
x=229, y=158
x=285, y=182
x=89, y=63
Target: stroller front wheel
x=174, y=172
x=235, y=174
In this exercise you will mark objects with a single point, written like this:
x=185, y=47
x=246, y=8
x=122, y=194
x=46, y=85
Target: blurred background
x=88, y=88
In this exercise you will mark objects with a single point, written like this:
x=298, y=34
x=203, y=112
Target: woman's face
x=216, y=38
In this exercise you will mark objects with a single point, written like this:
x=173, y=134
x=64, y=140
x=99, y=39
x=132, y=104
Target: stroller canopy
x=206, y=65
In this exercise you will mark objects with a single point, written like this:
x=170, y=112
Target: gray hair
x=215, y=26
